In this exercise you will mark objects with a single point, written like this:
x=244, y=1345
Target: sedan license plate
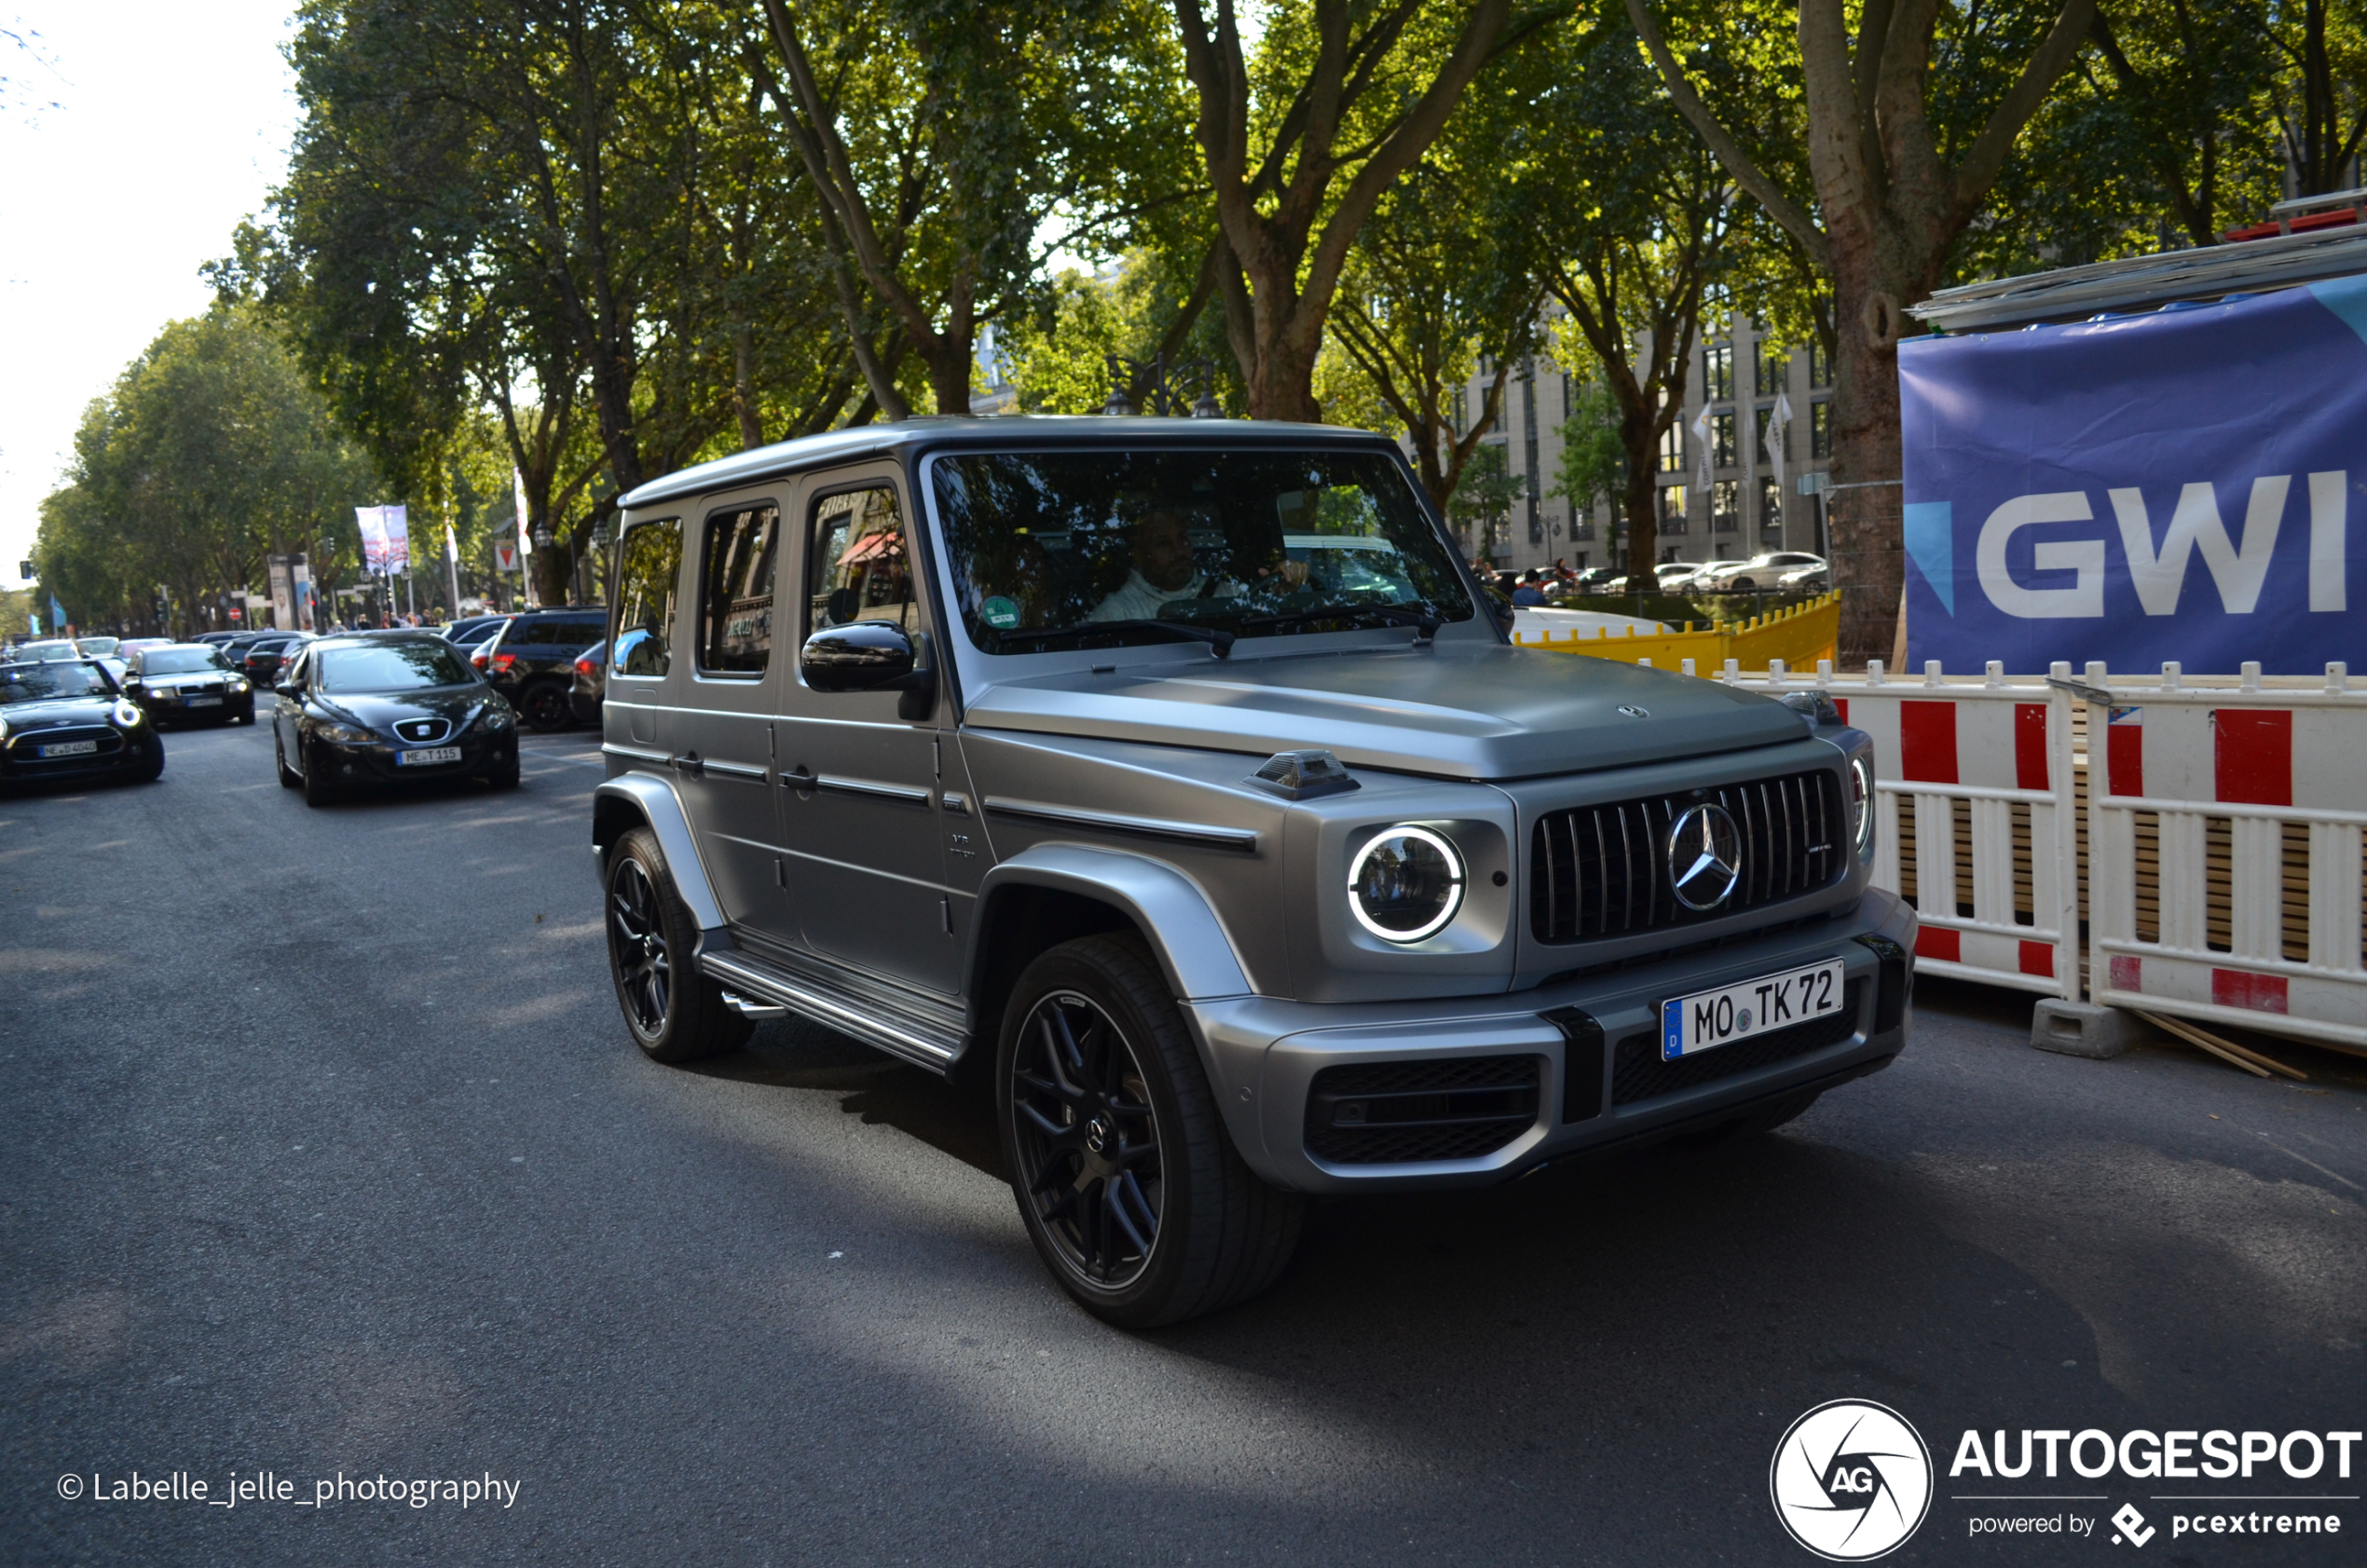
x=204, y=701
x=1708, y=1019
x=427, y=756
x=71, y=748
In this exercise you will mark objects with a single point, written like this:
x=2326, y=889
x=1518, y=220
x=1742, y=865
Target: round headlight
x=126, y=712
x=1861, y=801
x=1405, y=885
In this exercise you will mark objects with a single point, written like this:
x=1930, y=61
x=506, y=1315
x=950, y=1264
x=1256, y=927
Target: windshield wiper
x=1426, y=621
x=1215, y=636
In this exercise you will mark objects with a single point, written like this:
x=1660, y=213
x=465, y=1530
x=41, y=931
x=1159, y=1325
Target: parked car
x=1695, y=579
x=57, y=649
x=474, y=629
x=188, y=681
x=130, y=645
x=263, y=658
x=1759, y=571
x=384, y=708
x=1237, y=888
x=63, y=718
x=1806, y=579
x=531, y=659
x=218, y=639
x=591, y=683
x=98, y=648
x=1592, y=578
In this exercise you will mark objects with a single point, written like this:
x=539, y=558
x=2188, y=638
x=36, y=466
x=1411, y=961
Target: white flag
x=1701, y=442
x=1779, y=419
x=451, y=545
x=517, y=493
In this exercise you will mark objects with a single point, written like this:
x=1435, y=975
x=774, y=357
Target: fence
x=1800, y=635
x=2203, y=862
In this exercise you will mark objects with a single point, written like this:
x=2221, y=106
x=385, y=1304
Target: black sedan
x=188, y=681
x=388, y=708
x=67, y=718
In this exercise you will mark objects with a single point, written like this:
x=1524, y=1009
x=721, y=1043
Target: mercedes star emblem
x=1705, y=857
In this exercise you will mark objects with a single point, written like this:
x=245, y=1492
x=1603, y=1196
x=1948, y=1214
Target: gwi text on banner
x=2175, y=485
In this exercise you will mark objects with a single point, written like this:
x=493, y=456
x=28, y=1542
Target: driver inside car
x=1163, y=570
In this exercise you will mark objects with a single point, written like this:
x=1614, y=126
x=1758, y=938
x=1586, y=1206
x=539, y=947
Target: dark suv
x=531, y=661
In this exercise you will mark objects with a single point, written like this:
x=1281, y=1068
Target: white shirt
x=1138, y=599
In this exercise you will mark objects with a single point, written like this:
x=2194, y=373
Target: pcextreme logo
x=1851, y=1481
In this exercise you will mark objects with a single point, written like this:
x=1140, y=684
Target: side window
x=735, y=589
x=650, y=563
x=856, y=568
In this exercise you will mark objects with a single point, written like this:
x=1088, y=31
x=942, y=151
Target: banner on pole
x=386, y=538
x=2175, y=485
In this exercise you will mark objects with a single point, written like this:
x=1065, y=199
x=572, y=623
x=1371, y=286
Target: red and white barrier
x=2224, y=859
x=2273, y=785
x=1995, y=748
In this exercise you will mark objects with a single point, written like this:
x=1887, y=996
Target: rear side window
x=650, y=563
x=735, y=612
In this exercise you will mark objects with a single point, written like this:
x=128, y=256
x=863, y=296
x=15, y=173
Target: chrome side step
x=761, y=990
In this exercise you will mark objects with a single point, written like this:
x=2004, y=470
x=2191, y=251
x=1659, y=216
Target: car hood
x=378, y=710
x=1476, y=712
x=57, y=714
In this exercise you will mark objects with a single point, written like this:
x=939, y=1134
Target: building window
x=1581, y=529
x=1672, y=509
x=1820, y=429
x=1672, y=450
x=1721, y=439
x=1770, y=508
x=1725, y=506
x=1820, y=365
x=1773, y=361
x=1717, y=380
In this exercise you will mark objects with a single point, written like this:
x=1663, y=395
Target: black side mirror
x=871, y=656
x=281, y=688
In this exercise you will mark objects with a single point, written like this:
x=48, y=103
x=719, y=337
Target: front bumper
x=1265, y=1054
x=479, y=754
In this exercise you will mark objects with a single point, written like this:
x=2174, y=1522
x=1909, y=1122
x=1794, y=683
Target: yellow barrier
x=1798, y=637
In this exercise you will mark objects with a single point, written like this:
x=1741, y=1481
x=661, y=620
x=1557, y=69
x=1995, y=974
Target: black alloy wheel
x=1125, y=1173
x=1088, y=1139
x=319, y=789
x=545, y=706
x=289, y=777
x=675, y=1014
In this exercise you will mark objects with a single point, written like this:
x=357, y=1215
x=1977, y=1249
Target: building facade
x=1736, y=377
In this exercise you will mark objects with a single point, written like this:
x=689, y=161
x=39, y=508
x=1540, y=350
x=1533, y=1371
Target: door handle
x=687, y=762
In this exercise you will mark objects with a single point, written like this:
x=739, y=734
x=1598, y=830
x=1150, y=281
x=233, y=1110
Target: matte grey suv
x=1174, y=776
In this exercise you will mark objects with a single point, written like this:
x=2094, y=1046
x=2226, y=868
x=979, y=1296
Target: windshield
x=42, y=683
x=1054, y=549
x=180, y=660
x=405, y=666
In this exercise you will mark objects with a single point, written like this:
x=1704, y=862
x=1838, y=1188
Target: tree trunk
x=1640, y=499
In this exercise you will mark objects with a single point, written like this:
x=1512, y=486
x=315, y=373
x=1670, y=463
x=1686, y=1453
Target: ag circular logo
x=1705, y=857
x=1851, y=1481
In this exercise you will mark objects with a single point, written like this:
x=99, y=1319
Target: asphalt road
x=325, y=1152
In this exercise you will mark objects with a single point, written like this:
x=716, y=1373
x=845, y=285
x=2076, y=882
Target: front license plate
x=71, y=748
x=1708, y=1019
x=426, y=756
x=205, y=701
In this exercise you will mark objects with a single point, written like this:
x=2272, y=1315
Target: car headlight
x=1861, y=801
x=1405, y=885
x=237, y=687
x=499, y=717
x=346, y=734
x=126, y=712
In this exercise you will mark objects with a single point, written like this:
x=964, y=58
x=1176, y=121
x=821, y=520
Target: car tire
x=674, y=1013
x=1126, y=1177
x=318, y=788
x=1739, y=583
x=149, y=769
x=543, y=705
x=289, y=777
x=503, y=778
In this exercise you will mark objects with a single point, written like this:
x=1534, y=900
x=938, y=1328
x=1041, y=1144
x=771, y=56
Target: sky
x=171, y=123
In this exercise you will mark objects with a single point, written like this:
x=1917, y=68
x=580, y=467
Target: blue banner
x=2177, y=484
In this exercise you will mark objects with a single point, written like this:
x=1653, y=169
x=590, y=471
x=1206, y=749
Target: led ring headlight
x=1861, y=791
x=1405, y=885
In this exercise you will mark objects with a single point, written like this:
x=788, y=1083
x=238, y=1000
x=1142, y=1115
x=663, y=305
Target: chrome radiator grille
x=1603, y=870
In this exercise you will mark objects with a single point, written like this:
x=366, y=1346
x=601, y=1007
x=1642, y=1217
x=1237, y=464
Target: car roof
x=1000, y=431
